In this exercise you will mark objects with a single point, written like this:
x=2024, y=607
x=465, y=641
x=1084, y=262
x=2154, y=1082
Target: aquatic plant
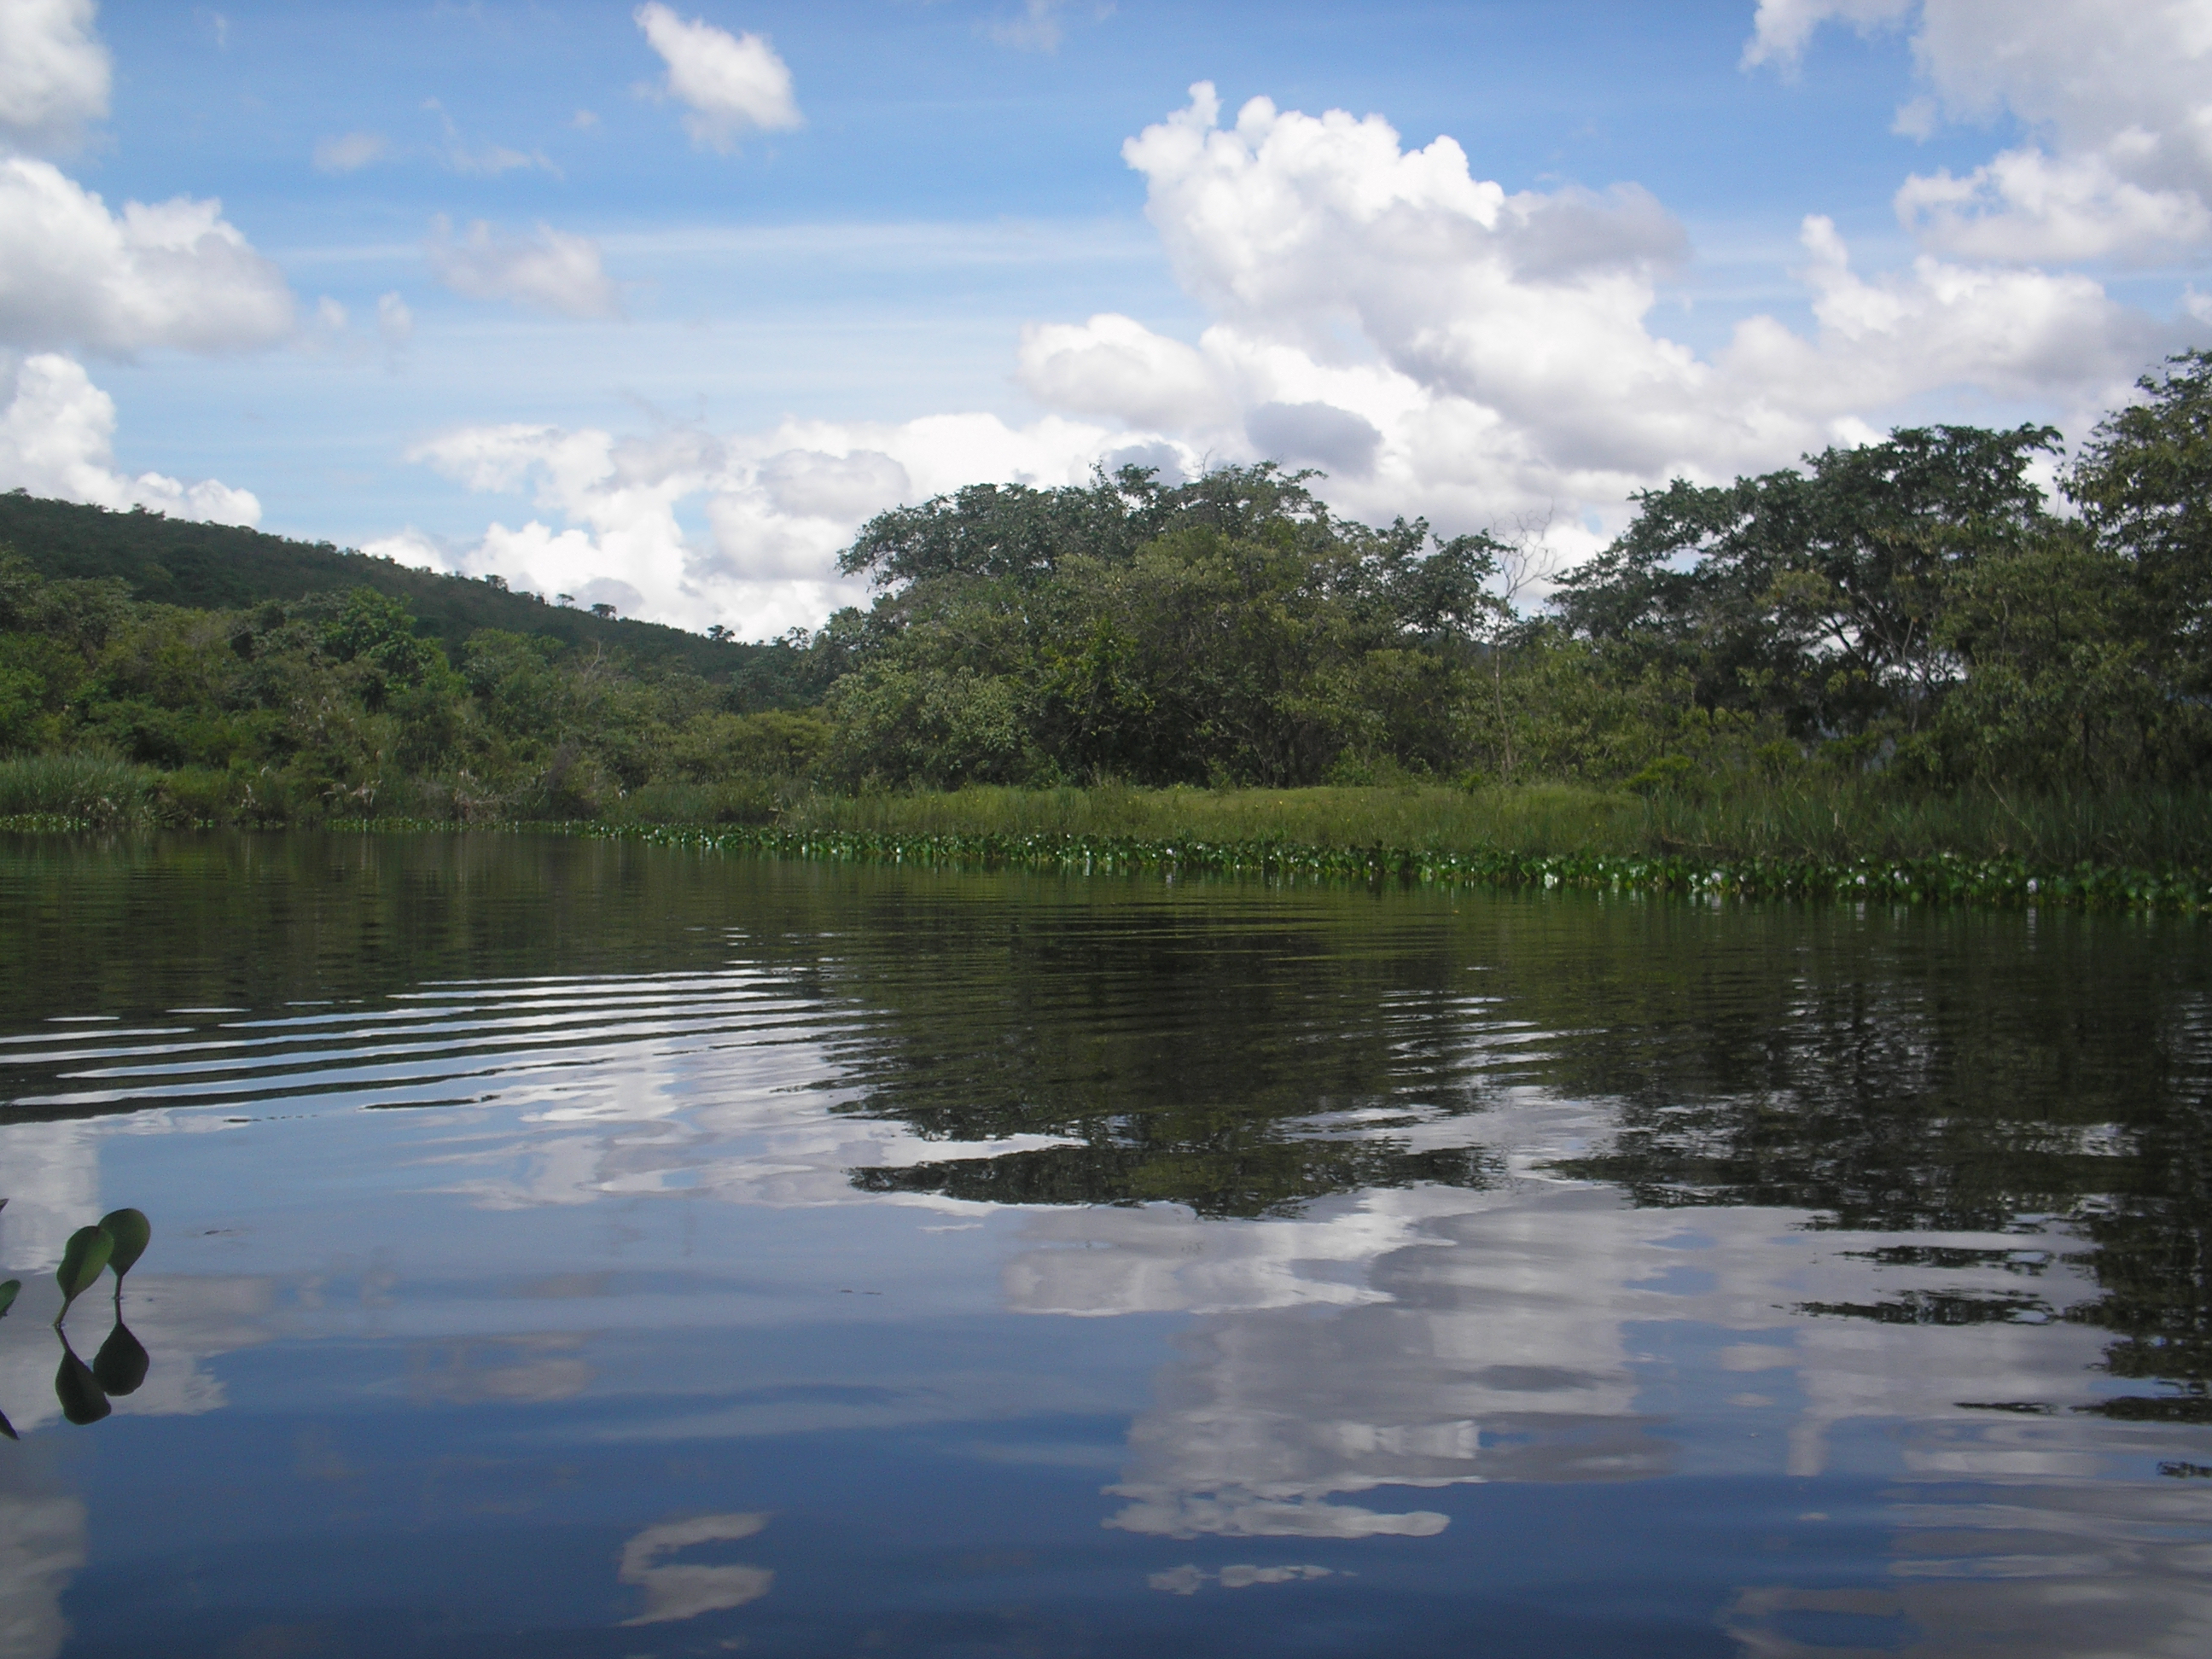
x=1941, y=879
x=115, y=1241
x=83, y=1260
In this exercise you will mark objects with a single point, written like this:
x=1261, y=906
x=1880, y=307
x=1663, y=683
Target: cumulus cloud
x=2118, y=98
x=778, y=505
x=1321, y=435
x=1114, y=365
x=2025, y=206
x=551, y=270
x=57, y=437
x=53, y=72
x=729, y=83
x=172, y=273
x=1505, y=355
x=1436, y=342
x=350, y=152
x=1781, y=28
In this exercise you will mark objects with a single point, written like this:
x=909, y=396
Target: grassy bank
x=1834, y=820
x=1840, y=822
x=1845, y=838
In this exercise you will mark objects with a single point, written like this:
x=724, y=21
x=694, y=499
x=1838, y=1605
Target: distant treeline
x=1917, y=610
x=214, y=567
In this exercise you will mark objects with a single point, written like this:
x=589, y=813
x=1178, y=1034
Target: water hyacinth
x=1946, y=878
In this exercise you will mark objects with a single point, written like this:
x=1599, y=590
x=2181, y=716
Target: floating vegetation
x=113, y=1243
x=1943, y=878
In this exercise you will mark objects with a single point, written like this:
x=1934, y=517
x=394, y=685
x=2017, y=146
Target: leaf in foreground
x=82, y=1263
x=131, y=1232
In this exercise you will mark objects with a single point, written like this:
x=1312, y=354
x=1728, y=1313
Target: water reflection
x=684, y=1589
x=1843, y=1274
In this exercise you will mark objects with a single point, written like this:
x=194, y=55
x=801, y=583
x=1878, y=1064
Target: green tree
x=1816, y=595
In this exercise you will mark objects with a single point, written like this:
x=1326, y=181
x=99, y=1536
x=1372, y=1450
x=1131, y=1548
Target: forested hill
x=213, y=567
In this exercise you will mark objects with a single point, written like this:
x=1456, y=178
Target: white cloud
x=2117, y=97
x=552, y=270
x=57, y=438
x=395, y=323
x=779, y=505
x=488, y=161
x=1036, y=27
x=1500, y=344
x=1438, y=344
x=53, y=72
x=1782, y=28
x=172, y=273
x=2026, y=205
x=729, y=83
x=349, y=152
x=1114, y=365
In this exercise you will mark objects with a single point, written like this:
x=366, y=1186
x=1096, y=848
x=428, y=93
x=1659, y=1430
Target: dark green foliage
x=1225, y=629
x=1941, y=879
x=131, y=1232
x=339, y=704
x=1816, y=597
x=83, y=1400
x=1912, y=614
x=204, y=567
x=122, y=1363
x=83, y=1260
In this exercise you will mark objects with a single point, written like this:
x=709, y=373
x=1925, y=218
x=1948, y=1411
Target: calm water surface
x=566, y=1248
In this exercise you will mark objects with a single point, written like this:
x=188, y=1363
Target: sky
x=654, y=305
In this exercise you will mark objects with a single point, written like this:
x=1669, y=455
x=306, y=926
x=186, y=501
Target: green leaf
x=131, y=1232
x=121, y=1363
x=8, y=1428
x=7, y=1295
x=82, y=1263
x=79, y=1391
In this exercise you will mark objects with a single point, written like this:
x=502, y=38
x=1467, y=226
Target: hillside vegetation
x=1886, y=650
x=215, y=567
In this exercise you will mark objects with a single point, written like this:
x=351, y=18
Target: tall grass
x=86, y=788
x=1835, y=820
x=1838, y=820
x=1536, y=819
x=1842, y=820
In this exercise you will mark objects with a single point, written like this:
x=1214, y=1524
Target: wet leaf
x=8, y=1428
x=121, y=1363
x=131, y=1232
x=79, y=1391
x=82, y=1263
x=7, y=1295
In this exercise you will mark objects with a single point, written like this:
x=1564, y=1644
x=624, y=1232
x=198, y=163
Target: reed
x=93, y=790
x=1832, y=820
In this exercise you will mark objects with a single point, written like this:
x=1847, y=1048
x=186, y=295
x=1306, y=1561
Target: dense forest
x=1918, y=611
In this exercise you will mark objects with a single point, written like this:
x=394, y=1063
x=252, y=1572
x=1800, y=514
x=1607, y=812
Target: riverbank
x=1847, y=844
x=1825, y=818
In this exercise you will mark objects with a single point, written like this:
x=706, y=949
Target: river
x=570, y=1246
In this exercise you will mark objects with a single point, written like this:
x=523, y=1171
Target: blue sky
x=656, y=304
